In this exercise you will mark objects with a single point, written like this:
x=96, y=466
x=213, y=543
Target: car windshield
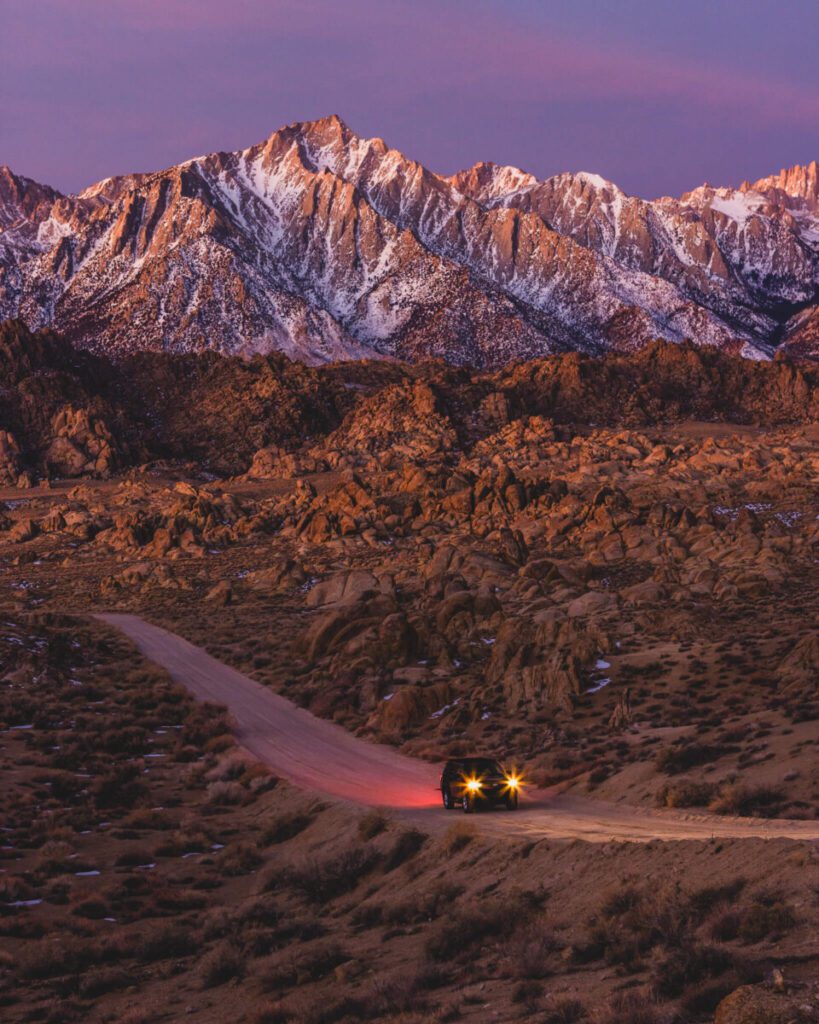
x=481, y=766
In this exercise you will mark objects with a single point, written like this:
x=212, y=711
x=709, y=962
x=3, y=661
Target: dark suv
x=472, y=782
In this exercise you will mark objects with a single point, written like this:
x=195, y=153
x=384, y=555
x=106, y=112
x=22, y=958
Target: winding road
x=320, y=756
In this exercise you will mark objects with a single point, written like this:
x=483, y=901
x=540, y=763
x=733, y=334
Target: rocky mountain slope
x=325, y=245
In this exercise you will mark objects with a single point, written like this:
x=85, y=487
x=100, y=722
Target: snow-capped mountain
x=326, y=245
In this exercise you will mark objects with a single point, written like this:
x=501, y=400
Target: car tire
x=467, y=804
x=512, y=802
x=446, y=793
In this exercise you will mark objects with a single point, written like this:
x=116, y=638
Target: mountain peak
x=800, y=181
x=325, y=245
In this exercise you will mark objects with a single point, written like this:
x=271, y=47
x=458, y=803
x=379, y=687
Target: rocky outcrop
x=81, y=446
x=543, y=664
x=10, y=462
x=799, y=669
x=755, y=1004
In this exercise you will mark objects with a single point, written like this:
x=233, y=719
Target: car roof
x=473, y=760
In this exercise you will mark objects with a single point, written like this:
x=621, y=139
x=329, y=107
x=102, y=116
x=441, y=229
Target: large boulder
x=10, y=465
x=80, y=445
x=411, y=705
x=755, y=1004
x=348, y=588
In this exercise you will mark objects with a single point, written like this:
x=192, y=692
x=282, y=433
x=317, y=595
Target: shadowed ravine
x=318, y=755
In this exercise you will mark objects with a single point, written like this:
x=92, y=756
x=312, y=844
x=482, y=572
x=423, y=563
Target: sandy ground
x=320, y=756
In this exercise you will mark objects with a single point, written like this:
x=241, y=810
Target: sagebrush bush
x=564, y=1011
x=678, y=968
x=684, y=754
x=748, y=801
x=284, y=828
x=686, y=794
x=373, y=823
x=165, y=942
x=222, y=964
x=459, y=935
x=407, y=845
x=457, y=837
x=323, y=880
x=532, y=950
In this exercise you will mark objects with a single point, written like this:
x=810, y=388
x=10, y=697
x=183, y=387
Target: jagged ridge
x=324, y=245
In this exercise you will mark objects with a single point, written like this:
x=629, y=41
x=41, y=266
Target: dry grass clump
x=632, y=1007
x=284, y=828
x=563, y=1011
x=239, y=859
x=684, y=754
x=457, y=838
x=407, y=844
x=462, y=933
x=225, y=962
x=166, y=942
x=685, y=794
x=680, y=939
x=372, y=824
x=320, y=880
x=749, y=801
x=768, y=916
x=532, y=950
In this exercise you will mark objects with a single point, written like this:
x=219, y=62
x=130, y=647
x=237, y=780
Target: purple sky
x=658, y=95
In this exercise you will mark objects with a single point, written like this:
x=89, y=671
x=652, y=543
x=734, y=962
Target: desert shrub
x=188, y=840
x=319, y=961
x=323, y=880
x=284, y=828
x=682, y=966
x=407, y=845
x=704, y=900
x=69, y=955
x=226, y=794
x=531, y=951
x=494, y=920
x=134, y=857
x=373, y=823
x=768, y=915
x=529, y=993
x=166, y=942
x=219, y=744
x=684, y=754
x=150, y=818
x=331, y=1011
x=685, y=794
x=634, y=1007
x=100, y=980
x=724, y=927
x=428, y=906
x=703, y=999
x=121, y=786
x=272, y=1013
x=94, y=909
x=367, y=915
x=564, y=1011
x=240, y=859
x=458, y=837
x=222, y=964
x=620, y=902
x=629, y=924
x=748, y=801
x=202, y=723
x=398, y=993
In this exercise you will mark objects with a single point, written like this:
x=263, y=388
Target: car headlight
x=473, y=785
x=512, y=782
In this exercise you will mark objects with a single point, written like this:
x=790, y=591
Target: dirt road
x=317, y=755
